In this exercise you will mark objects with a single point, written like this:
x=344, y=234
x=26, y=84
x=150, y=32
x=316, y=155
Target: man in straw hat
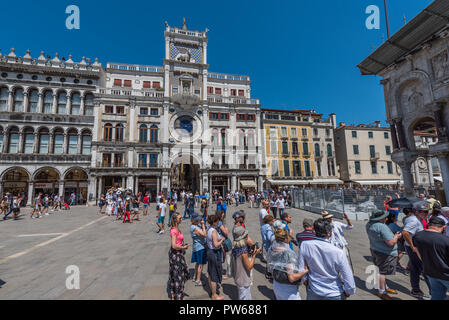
x=384, y=250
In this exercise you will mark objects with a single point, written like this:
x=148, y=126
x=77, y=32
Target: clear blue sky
x=299, y=54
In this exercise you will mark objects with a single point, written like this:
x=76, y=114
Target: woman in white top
x=214, y=257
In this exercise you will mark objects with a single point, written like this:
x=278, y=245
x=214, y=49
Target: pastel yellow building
x=299, y=147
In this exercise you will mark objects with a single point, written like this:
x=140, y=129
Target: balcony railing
x=137, y=93
x=221, y=99
x=133, y=67
x=222, y=76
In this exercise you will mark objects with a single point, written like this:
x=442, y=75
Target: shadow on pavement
x=2, y=283
x=231, y=291
x=267, y=292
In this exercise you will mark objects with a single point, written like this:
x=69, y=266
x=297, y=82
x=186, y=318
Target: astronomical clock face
x=185, y=127
x=422, y=164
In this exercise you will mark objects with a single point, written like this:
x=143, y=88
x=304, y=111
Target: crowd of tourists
x=42, y=205
x=318, y=257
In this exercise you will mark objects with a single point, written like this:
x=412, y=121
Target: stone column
x=401, y=135
x=51, y=147
x=444, y=166
x=234, y=183
x=61, y=188
x=100, y=187
x=21, y=142
x=82, y=106
x=91, y=191
x=30, y=193
x=25, y=102
x=394, y=136
x=1, y=189
x=40, y=105
x=260, y=184
x=55, y=103
x=130, y=183
x=65, y=144
x=80, y=140
x=5, y=142
x=158, y=184
x=69, y=103
x=10, y=101
x=407, y=176
x=36, y=143
x=430, y=171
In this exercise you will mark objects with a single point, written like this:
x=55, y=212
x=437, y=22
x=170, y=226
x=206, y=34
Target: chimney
x=377, y=124
x=342, y=124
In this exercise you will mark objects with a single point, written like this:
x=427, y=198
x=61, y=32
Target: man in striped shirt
x=308, y=233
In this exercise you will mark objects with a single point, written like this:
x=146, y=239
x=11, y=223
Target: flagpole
x=386, y=17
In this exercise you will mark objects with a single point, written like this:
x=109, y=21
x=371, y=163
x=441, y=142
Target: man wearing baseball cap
x=412, y=226
x=433, y=247
x=384, y=250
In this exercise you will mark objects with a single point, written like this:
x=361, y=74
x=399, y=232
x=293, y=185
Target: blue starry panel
x=196, y=52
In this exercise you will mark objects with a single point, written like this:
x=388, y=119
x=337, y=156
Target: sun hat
x=378, y=215
x=278, y=225
x=326, y=215
x=239, y=233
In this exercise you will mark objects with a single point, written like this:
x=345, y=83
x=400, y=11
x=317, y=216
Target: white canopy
x=248, y=184
x=377, y=182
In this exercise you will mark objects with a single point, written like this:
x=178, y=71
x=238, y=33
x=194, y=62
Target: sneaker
x=384, y=296
x=162, y=232
x=419, y=295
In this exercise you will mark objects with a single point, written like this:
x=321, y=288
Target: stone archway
x=76, y=182
x=46, y=181
x=185, y=173
x=15, y=181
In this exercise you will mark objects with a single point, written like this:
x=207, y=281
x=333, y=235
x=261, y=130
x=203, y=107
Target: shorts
x=199, y=257
x=136, y=209
x=145, y=205
x=161, y=219
x=214, y=265
x=386, y=263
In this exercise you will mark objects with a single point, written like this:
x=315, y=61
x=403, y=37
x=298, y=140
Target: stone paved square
x=130, y=261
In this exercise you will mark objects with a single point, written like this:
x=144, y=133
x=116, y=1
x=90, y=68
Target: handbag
x=227, y=245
